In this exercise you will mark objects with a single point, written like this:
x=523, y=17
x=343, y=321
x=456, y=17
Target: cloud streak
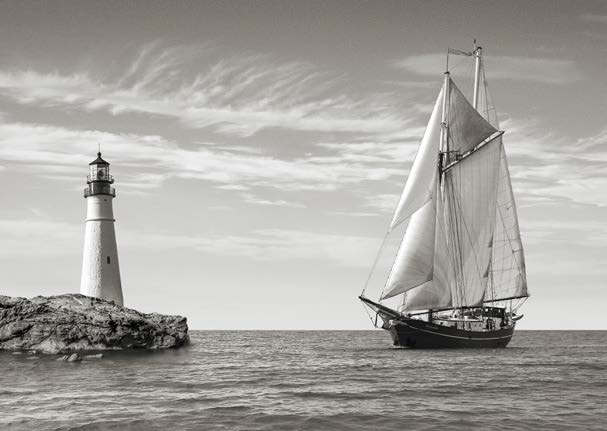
x=51, y=151
x=545, y=70
x=45, y=238
x=240, y=95
x=547, y=168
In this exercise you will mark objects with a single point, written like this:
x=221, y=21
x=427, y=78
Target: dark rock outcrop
x=73, y=322
x=74, y=357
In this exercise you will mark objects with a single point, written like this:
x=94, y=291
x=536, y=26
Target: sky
x=259, y=148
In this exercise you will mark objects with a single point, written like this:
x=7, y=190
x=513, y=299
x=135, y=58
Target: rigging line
x=456, y=63
x=485, y=88
x=383, y=242
x=520, y=304
x=369, y=314
x=487, y=97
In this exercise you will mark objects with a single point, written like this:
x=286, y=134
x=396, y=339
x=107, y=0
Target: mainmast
x=444, y=135
x=477, y=72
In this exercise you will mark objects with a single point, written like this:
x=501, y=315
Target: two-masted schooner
x=460, y=267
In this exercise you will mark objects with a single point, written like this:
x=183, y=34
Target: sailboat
x=458, y=277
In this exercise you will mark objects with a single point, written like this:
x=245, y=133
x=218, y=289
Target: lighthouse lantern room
x=100, y=268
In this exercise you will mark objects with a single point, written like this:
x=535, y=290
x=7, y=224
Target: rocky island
x=74, y=322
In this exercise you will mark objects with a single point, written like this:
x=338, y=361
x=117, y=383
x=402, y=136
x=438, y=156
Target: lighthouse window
x=108, y=259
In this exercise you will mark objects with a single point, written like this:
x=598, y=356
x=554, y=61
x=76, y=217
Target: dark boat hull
x=419, y=334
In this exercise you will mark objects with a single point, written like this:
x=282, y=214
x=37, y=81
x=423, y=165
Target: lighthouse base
x=65, y=323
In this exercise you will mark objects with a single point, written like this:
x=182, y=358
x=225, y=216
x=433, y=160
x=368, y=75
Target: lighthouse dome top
x=99, y=160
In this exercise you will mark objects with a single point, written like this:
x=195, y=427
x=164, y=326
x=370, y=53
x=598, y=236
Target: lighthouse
x=100, y=269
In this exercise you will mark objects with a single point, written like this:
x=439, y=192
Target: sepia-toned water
x=326, y=380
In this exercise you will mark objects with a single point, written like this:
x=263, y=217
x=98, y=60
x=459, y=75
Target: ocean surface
x=325, y=380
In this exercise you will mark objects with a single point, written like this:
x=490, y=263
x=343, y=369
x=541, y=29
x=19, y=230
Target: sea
x=315, y=380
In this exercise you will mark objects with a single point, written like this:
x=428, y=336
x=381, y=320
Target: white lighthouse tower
x=100, y=270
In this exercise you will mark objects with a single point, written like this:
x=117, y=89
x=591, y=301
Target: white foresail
x=437, y=292
x=420, y=183
x=508, y=278
x=414, y=261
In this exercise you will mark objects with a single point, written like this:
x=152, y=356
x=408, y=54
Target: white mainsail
x=472, y=186
x=448, y=248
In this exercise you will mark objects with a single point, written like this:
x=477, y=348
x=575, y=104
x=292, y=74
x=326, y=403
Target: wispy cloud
x=274, y=245
x=552, y=230
x=253, y=199
x=546, y=70
x=547, y=168
x=383, y=202
x=39, y=236
x=401, y=153
x=44, y=237
x=61, y=153
x=239, y=95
